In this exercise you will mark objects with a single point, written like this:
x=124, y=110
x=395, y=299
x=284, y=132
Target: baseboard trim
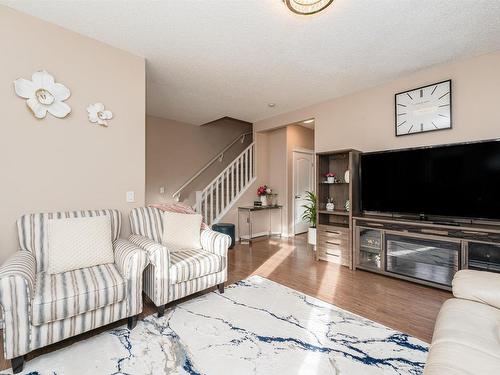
x=260, y=234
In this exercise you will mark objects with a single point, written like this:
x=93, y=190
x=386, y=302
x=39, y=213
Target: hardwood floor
x=404, y=306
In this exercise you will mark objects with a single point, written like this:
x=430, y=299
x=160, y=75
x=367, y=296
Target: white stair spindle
x=245, y=167
x=205, y=215
x=232, y=182
x=251, y=162
x=228, y=197
x=237, y=175
x=211, y=206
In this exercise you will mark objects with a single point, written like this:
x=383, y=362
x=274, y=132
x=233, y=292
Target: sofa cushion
x=189, y=264
x=181, y=231
x=465, y=339
x=79, y=243
x=63, y=295
x=469, y=323
x=451, y=358
x=477, y=286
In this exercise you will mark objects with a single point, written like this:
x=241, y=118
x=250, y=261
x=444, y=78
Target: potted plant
x=263, y=192
x=309, y=215
x=330, y=177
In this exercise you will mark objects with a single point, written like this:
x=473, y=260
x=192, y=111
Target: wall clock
x=423, y=109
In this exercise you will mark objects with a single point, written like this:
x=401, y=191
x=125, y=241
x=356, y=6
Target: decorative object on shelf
x=330, y=206
x=330, y=177
x=347, y=205
x=43, y=95
x=98, y=114
x=346, y=176
x=257, y=203
x=307, y=7
x=263, y=192
x=274, y=199
x=423, y=109
x=310, y=215
x=263, y=200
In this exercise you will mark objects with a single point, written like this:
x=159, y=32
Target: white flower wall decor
x=99, y=115
x=43, y=95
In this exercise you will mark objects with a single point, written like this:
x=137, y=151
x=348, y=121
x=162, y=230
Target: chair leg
x=161, y=311
x=132, y=322
x=221, y=287
x=17, y=364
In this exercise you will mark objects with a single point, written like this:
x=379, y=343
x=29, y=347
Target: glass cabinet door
x=370, y=248
x=431, y=260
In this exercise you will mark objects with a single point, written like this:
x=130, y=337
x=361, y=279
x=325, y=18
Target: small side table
x=252, y=209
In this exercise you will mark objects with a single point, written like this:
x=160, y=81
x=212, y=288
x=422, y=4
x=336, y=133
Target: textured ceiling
x=213, y=58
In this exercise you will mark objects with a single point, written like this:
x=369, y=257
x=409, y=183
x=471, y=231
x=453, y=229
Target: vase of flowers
x=263, y=191
x=330, y=177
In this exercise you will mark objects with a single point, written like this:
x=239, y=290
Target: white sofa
x=466, y=338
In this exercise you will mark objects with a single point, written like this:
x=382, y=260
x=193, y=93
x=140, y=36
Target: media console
x=426, y=252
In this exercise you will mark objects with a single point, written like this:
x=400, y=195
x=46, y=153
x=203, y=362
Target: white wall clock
x=423, y=109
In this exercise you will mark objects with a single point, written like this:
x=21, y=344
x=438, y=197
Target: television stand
x=425, y=252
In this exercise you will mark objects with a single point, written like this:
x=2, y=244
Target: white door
x=303, y=181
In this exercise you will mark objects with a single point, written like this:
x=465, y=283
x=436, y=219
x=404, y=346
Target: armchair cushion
x=478, y=286
x=181, y=231
x=190, y=264
x=79, y=243
x=32, y=231
x=63, y=295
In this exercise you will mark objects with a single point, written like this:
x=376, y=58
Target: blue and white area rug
x=255, y=327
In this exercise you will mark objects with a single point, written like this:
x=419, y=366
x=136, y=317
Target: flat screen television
x=458, y=181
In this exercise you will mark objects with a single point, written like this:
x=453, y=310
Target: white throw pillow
x=181, y=231
x=79, y=243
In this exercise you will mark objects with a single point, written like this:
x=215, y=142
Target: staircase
x=219, y=196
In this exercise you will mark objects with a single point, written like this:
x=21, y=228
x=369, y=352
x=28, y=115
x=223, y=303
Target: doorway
x=303, y=181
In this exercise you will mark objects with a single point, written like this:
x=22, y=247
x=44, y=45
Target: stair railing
x=219, y=157
x=219, y=196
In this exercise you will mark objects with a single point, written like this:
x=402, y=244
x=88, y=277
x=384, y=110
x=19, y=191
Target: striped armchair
x=40, y=308
x=173, y=275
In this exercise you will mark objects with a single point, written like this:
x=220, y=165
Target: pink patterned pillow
x=180, y=208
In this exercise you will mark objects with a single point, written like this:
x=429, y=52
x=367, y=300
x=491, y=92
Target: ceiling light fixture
x=271, y=105
x=307, y=7
x=308, y=121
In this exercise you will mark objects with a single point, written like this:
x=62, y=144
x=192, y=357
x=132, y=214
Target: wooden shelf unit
x=335, y=228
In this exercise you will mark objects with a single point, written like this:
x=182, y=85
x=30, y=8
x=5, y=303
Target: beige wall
x=365, y=120
x=175, y=151
x=277, y=172
x=67, y=164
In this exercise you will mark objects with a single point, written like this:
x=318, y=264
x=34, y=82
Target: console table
x=250, y=217
x=429, y=253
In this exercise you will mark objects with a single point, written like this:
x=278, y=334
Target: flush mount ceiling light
x=308, y=121
x=306, y=7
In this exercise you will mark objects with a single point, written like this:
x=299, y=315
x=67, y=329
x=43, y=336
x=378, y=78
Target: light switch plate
x=130, y=196
x=162, y=189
